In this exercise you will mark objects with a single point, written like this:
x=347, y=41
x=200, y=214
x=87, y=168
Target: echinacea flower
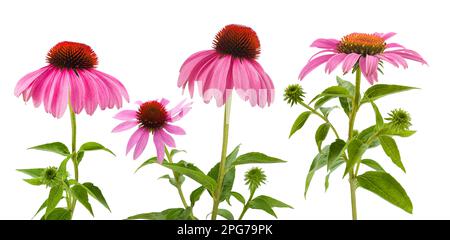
x=230, y=65
x=71, y=77
x=152, y=117
x=362, y=50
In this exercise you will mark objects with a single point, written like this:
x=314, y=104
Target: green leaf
x=390, y=148
x=34, y=181
x=225, y=214
x=372, y=164
x=62, y=169
x=356, y=149
x=238, y=197
x=318, y=162
x=55, y=147
x=267, y=204
x=336, y=91
x=366, y=134
x=175, y=151
x=322, y=101
x=54, y=196
x=398, y=132
x=333, y=167
x=59, y=214
x=385, y=186
x=337, y=149
x=148, y=162
x=168, y=214
x=299, y=122
x=378, y=117
x=321, y=134
x=81, y=195
x=32, y=172
x=196, y=175
x=196, y=194
x=228, y=180
x=256, y=158
x=42, y=207
x=96, y=193
x=380, y=90
x=346, y=103
x=260, y=204
x=93, y=146
x=231, y=158
x=327, y=110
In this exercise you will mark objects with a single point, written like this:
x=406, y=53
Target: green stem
x=321, y=116
x=246, y=206
x=177, y=180
x=218, y=192
x=73, y=122
x=355, y=108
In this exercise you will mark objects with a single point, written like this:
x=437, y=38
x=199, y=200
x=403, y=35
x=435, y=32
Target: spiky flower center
x=294, y=94
x=238, y=41
x=152, y=115
x=400, y=119
x=72, y=55
x=254, y=178
x=362, y=43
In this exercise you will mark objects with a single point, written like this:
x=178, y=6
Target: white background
x=144, y=43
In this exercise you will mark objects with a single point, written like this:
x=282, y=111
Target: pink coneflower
x=152, y=117
x=71, y=77
x=231, y=65
x=362, y=50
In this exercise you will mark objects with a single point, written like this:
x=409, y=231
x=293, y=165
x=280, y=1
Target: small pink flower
x=71, y=77
x=152, y=117
x=231, y=65
x=360, y=49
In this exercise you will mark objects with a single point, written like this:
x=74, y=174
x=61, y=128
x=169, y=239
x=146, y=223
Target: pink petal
x=39, y=85
x=349, y=62
x=313, y=64
x=91, y=93
x=167, y=139
x=135, y=138
x=394, y=57
x=174, y=129
x=26, y=81
x=125, y=126
x=117, y=84
x=393, y=45
x=216, y=85
x=325, y=43
x=141, y=144
x=159, y=145
x=164, y=102
x=334, y=61
x=77, y=92
x=60, y=96
x=126, y=115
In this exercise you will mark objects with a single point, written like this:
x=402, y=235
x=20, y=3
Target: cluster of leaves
x=61, y=186
x=350, y=153
x=208, y=184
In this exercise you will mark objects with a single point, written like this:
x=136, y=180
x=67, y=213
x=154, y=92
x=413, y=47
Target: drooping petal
x=77, y=92
x=349, y=62
x=159, y=145
x=118, y=86
x=366, y=69
x=91, y=92
x=313, y=64
x=167, y=139
x=334, y=61
x=141, y=144
x=325, y=43
x=164, y=101
x=393, y=45
x=174, y=129
x=26, y=81
x=190, y=69
x=125, y=126
x=409, y=54
x=266, y=92
x=126, y=115
x=216, y=85
x=61, y=95
x=134, y=139
x=38, y=87
x=398, y=59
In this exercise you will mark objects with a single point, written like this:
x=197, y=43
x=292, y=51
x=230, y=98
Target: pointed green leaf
x=356, y=149
x=59, y=214
x=380, y=90
x=372, y=164
x=336, y=91
x=327, y=110
x=225, y=214
x=93, y=146
x=336, y=164
x=275, y=203
x=42, y=207
x=148, y=162
x=322, y=101
x=260, y=204
x=390, y=148
x=168, y=214
x=32, y=172
x=34, y=181
x=54, y=196
x=195, y=195
x=256, y=158
x=56, y=147
x=81, y=195
x=318, y=162
x=378, y=117
x=398, y=132
x=196, y=175
x=346, y=103
x=228, y=180
x=321, y=134
x=238, y=197
x=299, y=122
x=385, y=186
x=96, y=193
x=337, y=149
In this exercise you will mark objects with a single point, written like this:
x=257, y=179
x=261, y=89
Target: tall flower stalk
x=69, y=80
x=364, y=55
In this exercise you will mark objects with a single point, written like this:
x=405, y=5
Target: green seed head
x=294, y=94
x=399, y=119
x=254, y=178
